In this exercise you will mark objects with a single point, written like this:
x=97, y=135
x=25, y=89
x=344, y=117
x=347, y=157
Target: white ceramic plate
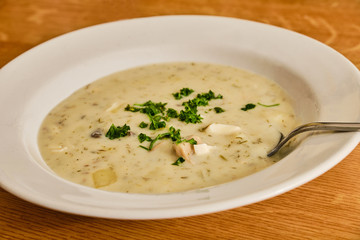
x=324, y=85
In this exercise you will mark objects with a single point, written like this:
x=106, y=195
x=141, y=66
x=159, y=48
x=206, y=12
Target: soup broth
x=166, y=128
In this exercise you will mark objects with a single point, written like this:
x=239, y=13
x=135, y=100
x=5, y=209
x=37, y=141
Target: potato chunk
x=104, y=177
x=222, y=129
x=203, y=149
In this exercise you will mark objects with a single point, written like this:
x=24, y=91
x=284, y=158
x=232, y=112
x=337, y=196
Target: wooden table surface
x=325, y=208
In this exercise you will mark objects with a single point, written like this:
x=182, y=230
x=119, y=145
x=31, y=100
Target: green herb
x=194, y=103
x=155, y=112
x=219, y=110
x=172, y=113
x=183, y=93
x=177, y=95
x=189, y=114
x=156, y=123
x=144, y=148
x=117, y=132
x=151, y=108
x=132, y=108
x=143, y=137
x=272, y=105
x=143, y=125
x=179, y=161
x=209, y=96
x=248, y=106
x=152, y=141
x=173, y=134
x=192, y=141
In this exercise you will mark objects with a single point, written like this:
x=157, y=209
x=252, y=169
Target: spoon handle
x=316, y=126
x=331, y=126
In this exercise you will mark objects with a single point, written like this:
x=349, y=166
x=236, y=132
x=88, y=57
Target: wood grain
x=325, y=208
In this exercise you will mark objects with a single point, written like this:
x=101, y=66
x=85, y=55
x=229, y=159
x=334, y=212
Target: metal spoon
x=315, y=126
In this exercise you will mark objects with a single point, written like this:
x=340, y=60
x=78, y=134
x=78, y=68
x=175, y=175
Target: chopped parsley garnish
x=143, y=125
x=178, y=162
x=172, y=134
x=183, y=93
x=219, y=110
x=158, y=113
x=155, y=112
x=191, y=141
x=132, y=108
x=156, y=123
x=194, y=103
x=172, y=113
x=272, y=105
x=117, y=132
x=248, y=106
x=189, y=114
x=209, y=96
x=143, y=137
x=152, y=108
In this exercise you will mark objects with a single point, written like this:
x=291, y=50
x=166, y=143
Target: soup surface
x=166, y=128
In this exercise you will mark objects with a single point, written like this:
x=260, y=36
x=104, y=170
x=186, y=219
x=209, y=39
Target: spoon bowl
x=315, y=126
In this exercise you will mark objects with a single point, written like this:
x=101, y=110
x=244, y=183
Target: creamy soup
x=166, y=128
